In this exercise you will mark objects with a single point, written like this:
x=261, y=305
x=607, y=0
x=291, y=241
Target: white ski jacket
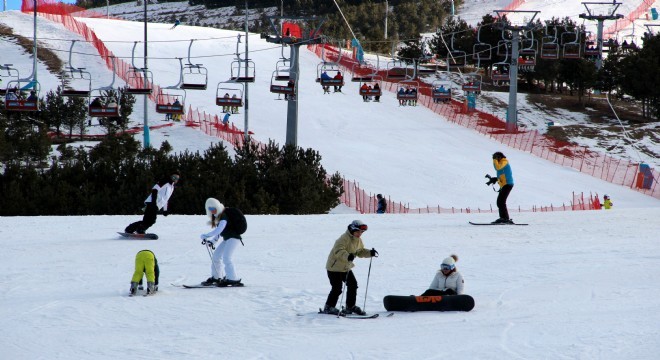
x=454, y=281
x=164, y=193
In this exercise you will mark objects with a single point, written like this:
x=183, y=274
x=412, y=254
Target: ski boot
x=134, y=287
x=354, y=310
x=151, y=288
x=331, y=310
x=224, y=282
x=210, y=282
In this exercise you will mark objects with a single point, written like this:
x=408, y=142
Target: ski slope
x=572, y=285
x=407, y=153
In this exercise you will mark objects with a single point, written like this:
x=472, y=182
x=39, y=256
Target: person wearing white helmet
x=339, y=265
x=447, y=281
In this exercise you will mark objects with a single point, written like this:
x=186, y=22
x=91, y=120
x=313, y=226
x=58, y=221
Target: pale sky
x=16, y=4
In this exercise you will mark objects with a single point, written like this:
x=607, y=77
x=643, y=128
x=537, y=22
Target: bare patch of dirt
x=45, y=55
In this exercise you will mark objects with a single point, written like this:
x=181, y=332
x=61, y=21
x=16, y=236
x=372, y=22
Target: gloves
x=351, y=257
x=165, y=213
x=208, y=242
x=374, y=253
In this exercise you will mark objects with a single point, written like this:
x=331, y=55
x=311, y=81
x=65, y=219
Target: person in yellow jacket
x=145, y=263
x=339, y=265
x=607, y=202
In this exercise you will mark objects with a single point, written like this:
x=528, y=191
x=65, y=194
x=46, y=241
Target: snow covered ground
x=571, y=285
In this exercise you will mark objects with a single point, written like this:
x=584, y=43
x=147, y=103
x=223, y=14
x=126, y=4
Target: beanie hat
x=450, y=262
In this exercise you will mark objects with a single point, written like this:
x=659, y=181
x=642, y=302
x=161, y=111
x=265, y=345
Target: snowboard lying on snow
x=428, y=303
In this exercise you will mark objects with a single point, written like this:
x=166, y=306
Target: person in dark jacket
x=382, y=204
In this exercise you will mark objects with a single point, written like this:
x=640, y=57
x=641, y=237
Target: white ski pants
x=223, y=253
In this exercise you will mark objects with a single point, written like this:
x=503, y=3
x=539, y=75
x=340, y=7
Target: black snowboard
x=428, y=303
x=139, y=236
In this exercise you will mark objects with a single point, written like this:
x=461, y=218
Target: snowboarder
x=504, y=178
x=447, y=281
x=382, y=204
x=228, y=223
x=339, y=265
x=145, y=263
x=158, y=199
x=225, y=119
x=607, y=202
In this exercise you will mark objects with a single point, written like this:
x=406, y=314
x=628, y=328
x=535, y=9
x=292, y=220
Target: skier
x=228, y=223
x=339, y=264
x=505, y=179
x=225, y=119
x=382, y=204
x=160, y=195
x=607, y=202
x=176, y=23
x=145, y=263
x=447, y=281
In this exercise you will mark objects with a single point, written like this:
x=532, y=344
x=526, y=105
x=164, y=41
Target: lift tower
x=601, y=11
x=304, y=34
x=506, y=24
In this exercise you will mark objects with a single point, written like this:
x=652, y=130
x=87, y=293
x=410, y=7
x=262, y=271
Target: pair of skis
x=498, y=224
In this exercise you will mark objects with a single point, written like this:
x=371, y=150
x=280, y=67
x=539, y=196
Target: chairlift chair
x=500, y=72
x=413, y=95
x=571, y=48
x=441, y=88
x=396, y=69
x=281, y=87
x=243, y=71
x=426, y=68
x=195, y=77
x=229, y=96
x=7, y=72
x=171, y=101
x=472, y=83
x=282, y=69
x=527, y=54
x=76, y=82
x=104, y=102
x=16, y=98
x=362, y=73
x=371, y=90
x=481, y=51
x=549, y=45
x=334, y=78
x=139, y=81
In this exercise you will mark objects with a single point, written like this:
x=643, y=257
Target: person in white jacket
x=447, y=281
x=157, y=200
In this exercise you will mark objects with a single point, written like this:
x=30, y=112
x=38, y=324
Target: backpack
x=236, y=220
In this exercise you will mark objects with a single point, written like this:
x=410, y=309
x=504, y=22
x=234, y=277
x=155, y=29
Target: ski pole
x=364, y=307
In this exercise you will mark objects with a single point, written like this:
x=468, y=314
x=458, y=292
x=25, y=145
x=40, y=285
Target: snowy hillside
x=407, y=153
